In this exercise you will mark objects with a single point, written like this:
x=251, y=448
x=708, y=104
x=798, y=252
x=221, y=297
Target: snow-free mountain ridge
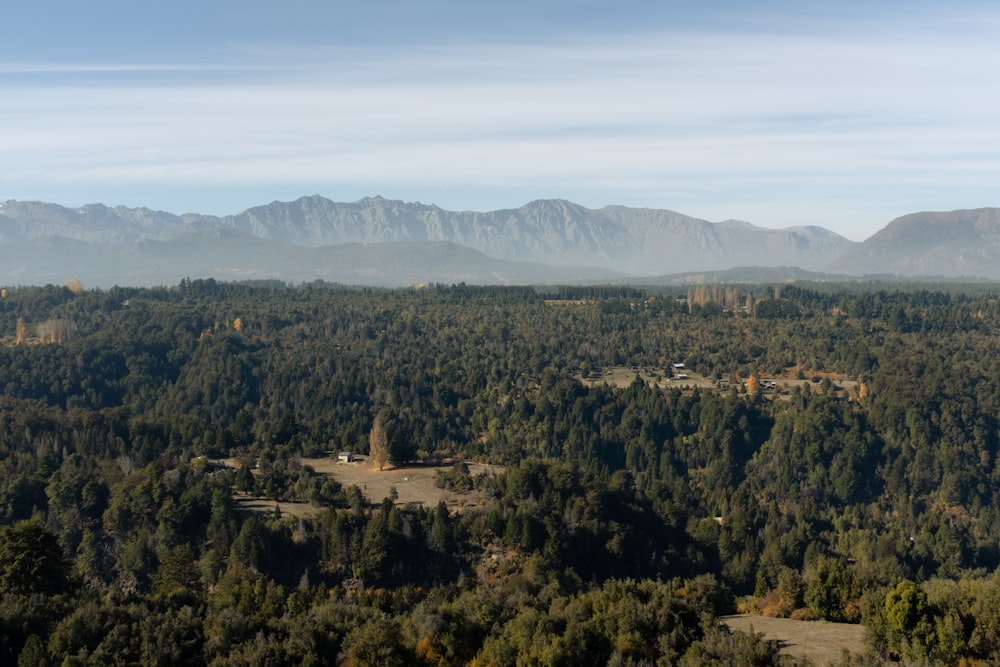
x=551, y=240
x=953, y=244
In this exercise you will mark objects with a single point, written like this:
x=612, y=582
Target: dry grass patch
x=414, y=485
x=265, y=506
x=622, y=376
x=819, y=641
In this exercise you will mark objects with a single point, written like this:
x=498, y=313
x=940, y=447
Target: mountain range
x=378, y=241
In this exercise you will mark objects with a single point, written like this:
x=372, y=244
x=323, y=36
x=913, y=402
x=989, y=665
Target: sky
x=844, y=115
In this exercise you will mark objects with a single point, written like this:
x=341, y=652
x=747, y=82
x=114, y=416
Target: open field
x=819, y=641
x=257, y=504
x=414, y=484
x=622, y=376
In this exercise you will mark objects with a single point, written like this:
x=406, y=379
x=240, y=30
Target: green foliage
x=376, y=644
x=625, y=520
x=721, y=648
x=773, y=309
x=31, y=561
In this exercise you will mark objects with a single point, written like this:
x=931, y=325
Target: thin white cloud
x=116, y=68
x=678, y=114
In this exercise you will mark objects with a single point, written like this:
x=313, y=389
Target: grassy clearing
x=414, y=485
x=622, y=376
x=819, y=641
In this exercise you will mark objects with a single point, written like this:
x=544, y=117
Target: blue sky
x=844, y=115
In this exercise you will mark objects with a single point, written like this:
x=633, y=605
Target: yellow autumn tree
x=378, y=443
x=75, y=286
x=21, y=332
x=753, y=386
x=238, y=324
x=56, y=330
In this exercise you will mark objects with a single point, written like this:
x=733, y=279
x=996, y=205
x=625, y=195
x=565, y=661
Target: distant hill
x=386, y=242
x=952, y=244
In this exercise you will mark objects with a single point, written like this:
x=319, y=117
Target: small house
x=345, y=457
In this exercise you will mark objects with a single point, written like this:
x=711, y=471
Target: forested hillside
x=627, y=519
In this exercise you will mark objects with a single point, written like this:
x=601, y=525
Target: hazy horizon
x=844, y=117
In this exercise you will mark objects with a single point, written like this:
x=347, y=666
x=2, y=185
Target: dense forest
x=862, y=486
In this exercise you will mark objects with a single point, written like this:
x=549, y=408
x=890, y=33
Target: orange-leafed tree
x=862, y=391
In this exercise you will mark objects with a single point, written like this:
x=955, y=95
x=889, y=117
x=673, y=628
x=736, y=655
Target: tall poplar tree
x=378, y=443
